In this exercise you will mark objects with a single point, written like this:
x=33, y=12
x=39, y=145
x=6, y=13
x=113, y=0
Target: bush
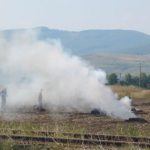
x=112, y=79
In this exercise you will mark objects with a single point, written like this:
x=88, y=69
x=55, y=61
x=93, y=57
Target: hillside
x=91, y=41
x=112, y=50
x=120, y=63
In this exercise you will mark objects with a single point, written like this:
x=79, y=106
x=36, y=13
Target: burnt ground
x=79, y=123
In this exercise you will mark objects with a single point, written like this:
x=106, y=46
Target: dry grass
x=82, y=124
x=133, y=92
x=76, y=124
x=8, y=145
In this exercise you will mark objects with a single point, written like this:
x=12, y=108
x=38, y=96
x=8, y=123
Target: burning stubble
x=28, y=65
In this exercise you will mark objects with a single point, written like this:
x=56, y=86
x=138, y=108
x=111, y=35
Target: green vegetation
x=81, y=125
x=143, y=80
x=58, y=146
x=112, y=79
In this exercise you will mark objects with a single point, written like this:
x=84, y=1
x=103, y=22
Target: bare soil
x=79, y=123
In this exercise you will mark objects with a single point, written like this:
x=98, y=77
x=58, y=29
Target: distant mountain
x=91, y=41
x=118, y=51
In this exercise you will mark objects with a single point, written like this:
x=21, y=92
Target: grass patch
x=133, y=92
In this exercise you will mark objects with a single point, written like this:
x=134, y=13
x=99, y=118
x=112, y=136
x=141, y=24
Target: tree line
x=143, y=80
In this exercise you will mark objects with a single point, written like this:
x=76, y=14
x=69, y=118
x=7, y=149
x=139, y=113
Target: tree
x=112, y=79
x=148, y=81
x=144, y=80
x=128, y=79
x=135, y=80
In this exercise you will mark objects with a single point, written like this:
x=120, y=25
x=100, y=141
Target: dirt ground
x=80, y=123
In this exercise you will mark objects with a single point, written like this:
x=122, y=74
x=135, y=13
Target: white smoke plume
x=126, y=101
x=28, y=65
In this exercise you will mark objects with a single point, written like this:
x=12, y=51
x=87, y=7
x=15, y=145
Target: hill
x=92, y=41
x=112, y=50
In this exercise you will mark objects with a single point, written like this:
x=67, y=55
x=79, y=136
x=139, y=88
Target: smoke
x=126, y=101
x=28, y=65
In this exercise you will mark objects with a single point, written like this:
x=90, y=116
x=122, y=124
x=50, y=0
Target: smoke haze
x=28, y=65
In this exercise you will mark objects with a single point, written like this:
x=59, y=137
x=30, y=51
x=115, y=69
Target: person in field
x=40, y=99
x=3, y=94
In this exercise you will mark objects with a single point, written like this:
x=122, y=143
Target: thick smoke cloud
x=28, y=65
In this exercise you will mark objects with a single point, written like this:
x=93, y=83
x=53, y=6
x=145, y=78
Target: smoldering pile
x=28, y=65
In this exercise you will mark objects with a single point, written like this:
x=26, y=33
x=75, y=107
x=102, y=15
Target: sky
x=76, y=15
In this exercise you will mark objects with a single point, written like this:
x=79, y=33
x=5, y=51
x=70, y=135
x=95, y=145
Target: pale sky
x=76, y=14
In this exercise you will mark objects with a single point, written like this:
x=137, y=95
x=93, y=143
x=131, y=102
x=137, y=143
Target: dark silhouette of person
x=3, y=97
x=40, y=99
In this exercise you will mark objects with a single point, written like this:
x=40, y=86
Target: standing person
x=40, y=100
x=3, y=96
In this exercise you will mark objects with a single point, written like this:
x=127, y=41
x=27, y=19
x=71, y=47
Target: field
x=119, y=63
x=78, y=123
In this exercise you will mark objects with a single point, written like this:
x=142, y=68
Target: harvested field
x=86, y=139
x=76, y=123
